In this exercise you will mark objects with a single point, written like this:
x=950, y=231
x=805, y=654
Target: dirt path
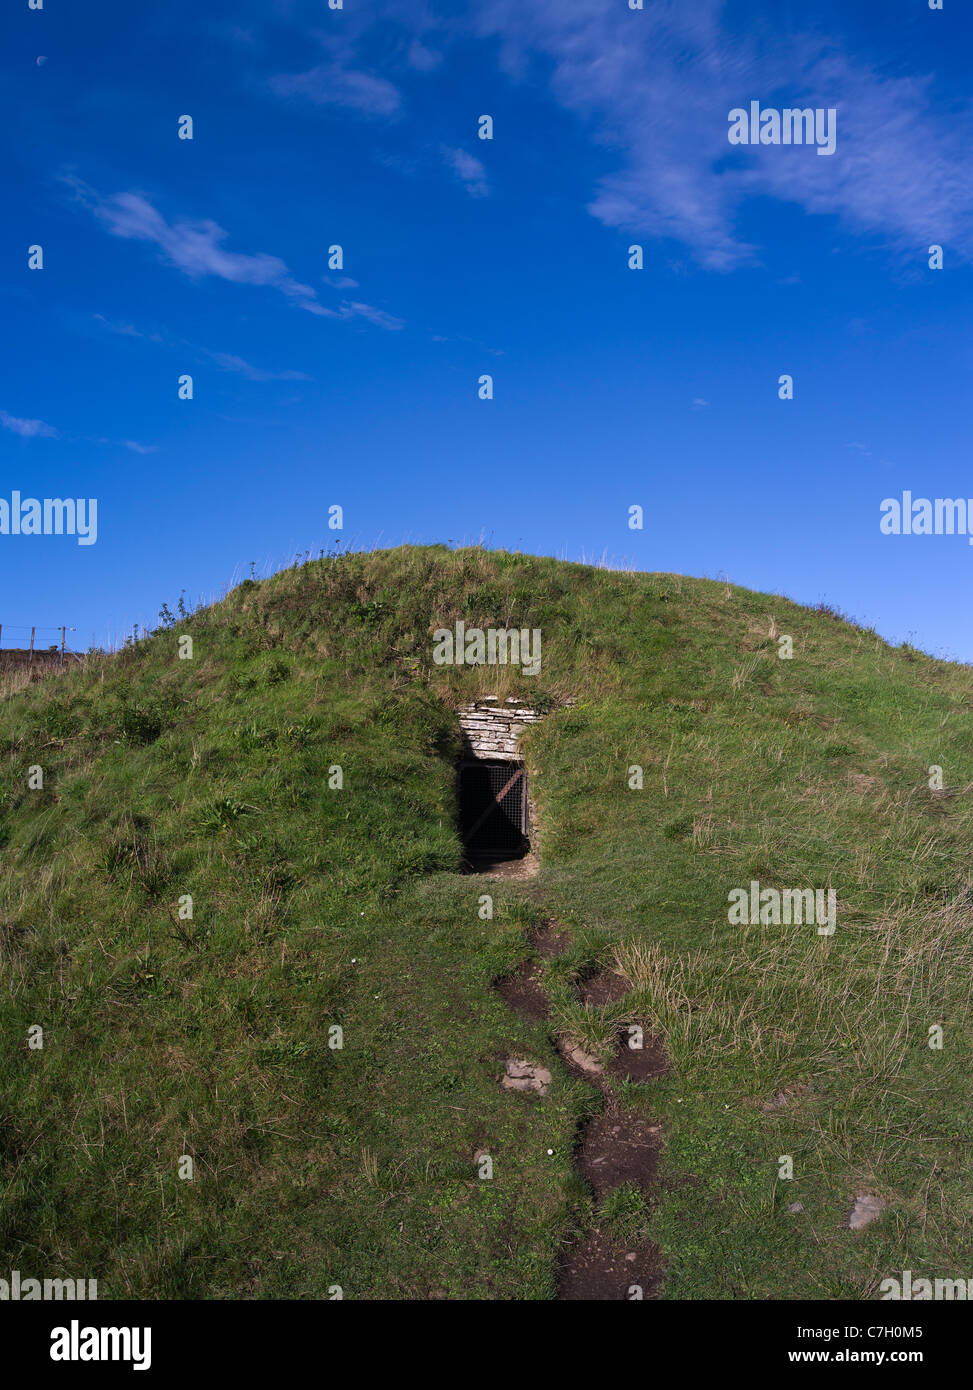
x=614, y=1148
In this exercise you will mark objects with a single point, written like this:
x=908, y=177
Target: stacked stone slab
x=491, y=728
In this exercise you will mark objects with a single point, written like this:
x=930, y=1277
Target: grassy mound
x=316, y=907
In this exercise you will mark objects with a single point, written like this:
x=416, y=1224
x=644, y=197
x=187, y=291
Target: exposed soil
x=15, y=658
x=522, y=991
x=795, y=1092
x=595, y=1269
x=644, y=1063
x=606, y=987
x=552, y=940
x=525, y=867
x=614, y=1149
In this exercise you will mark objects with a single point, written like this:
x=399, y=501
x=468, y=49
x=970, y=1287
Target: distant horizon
x=269, y=568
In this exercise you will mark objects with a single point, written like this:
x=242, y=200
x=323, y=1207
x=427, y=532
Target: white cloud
x=654, y=87
x=124, y=330
x=354, y=310
x=196, y=248
x=657, y=87
x=231, y=363
x=333, y=84
x=27, y=429
x=423, y=59
x=468, y=170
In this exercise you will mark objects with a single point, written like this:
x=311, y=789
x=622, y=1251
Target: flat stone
x=866, y=1208
x=525, y=1076
x=583, y=1060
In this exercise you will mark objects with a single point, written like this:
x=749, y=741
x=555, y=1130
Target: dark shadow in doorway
x=493, y=812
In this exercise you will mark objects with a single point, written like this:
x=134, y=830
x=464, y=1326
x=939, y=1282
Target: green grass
x=314, y=907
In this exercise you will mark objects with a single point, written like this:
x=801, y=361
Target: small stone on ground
x=583, y=1060
x=525, y=1076
x=867, y=1208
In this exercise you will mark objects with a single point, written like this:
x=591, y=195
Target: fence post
x=63, y=635
x=31, y=661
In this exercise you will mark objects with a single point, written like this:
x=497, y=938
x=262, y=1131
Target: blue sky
x=613, y=387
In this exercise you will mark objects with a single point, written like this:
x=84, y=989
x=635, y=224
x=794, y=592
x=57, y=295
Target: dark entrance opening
x=493, y=810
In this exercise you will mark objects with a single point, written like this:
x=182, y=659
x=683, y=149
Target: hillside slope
x=312, y=907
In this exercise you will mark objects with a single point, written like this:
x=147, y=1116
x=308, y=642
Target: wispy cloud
x=28, y=429
x=126, y=330
x=132, y=445
x=423, y=59
x=38, y=429
x=230, y=363
x=196, y=248
x=227, y=361
x=354, y=310
x=468, y=170
x=657, y=86
x=333, y=84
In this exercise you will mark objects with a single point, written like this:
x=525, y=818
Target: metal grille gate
x=493, y=809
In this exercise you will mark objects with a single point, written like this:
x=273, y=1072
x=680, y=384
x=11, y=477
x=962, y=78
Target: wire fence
x=23, y=644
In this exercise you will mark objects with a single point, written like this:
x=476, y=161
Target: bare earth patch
x=615, y=1149
x=522, y=992
x=619, y=1148
x=551, y=941
x=643, y=1063
x=606, y=987
x=594, y=1269
x=787, y=1096
x=527, y=867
